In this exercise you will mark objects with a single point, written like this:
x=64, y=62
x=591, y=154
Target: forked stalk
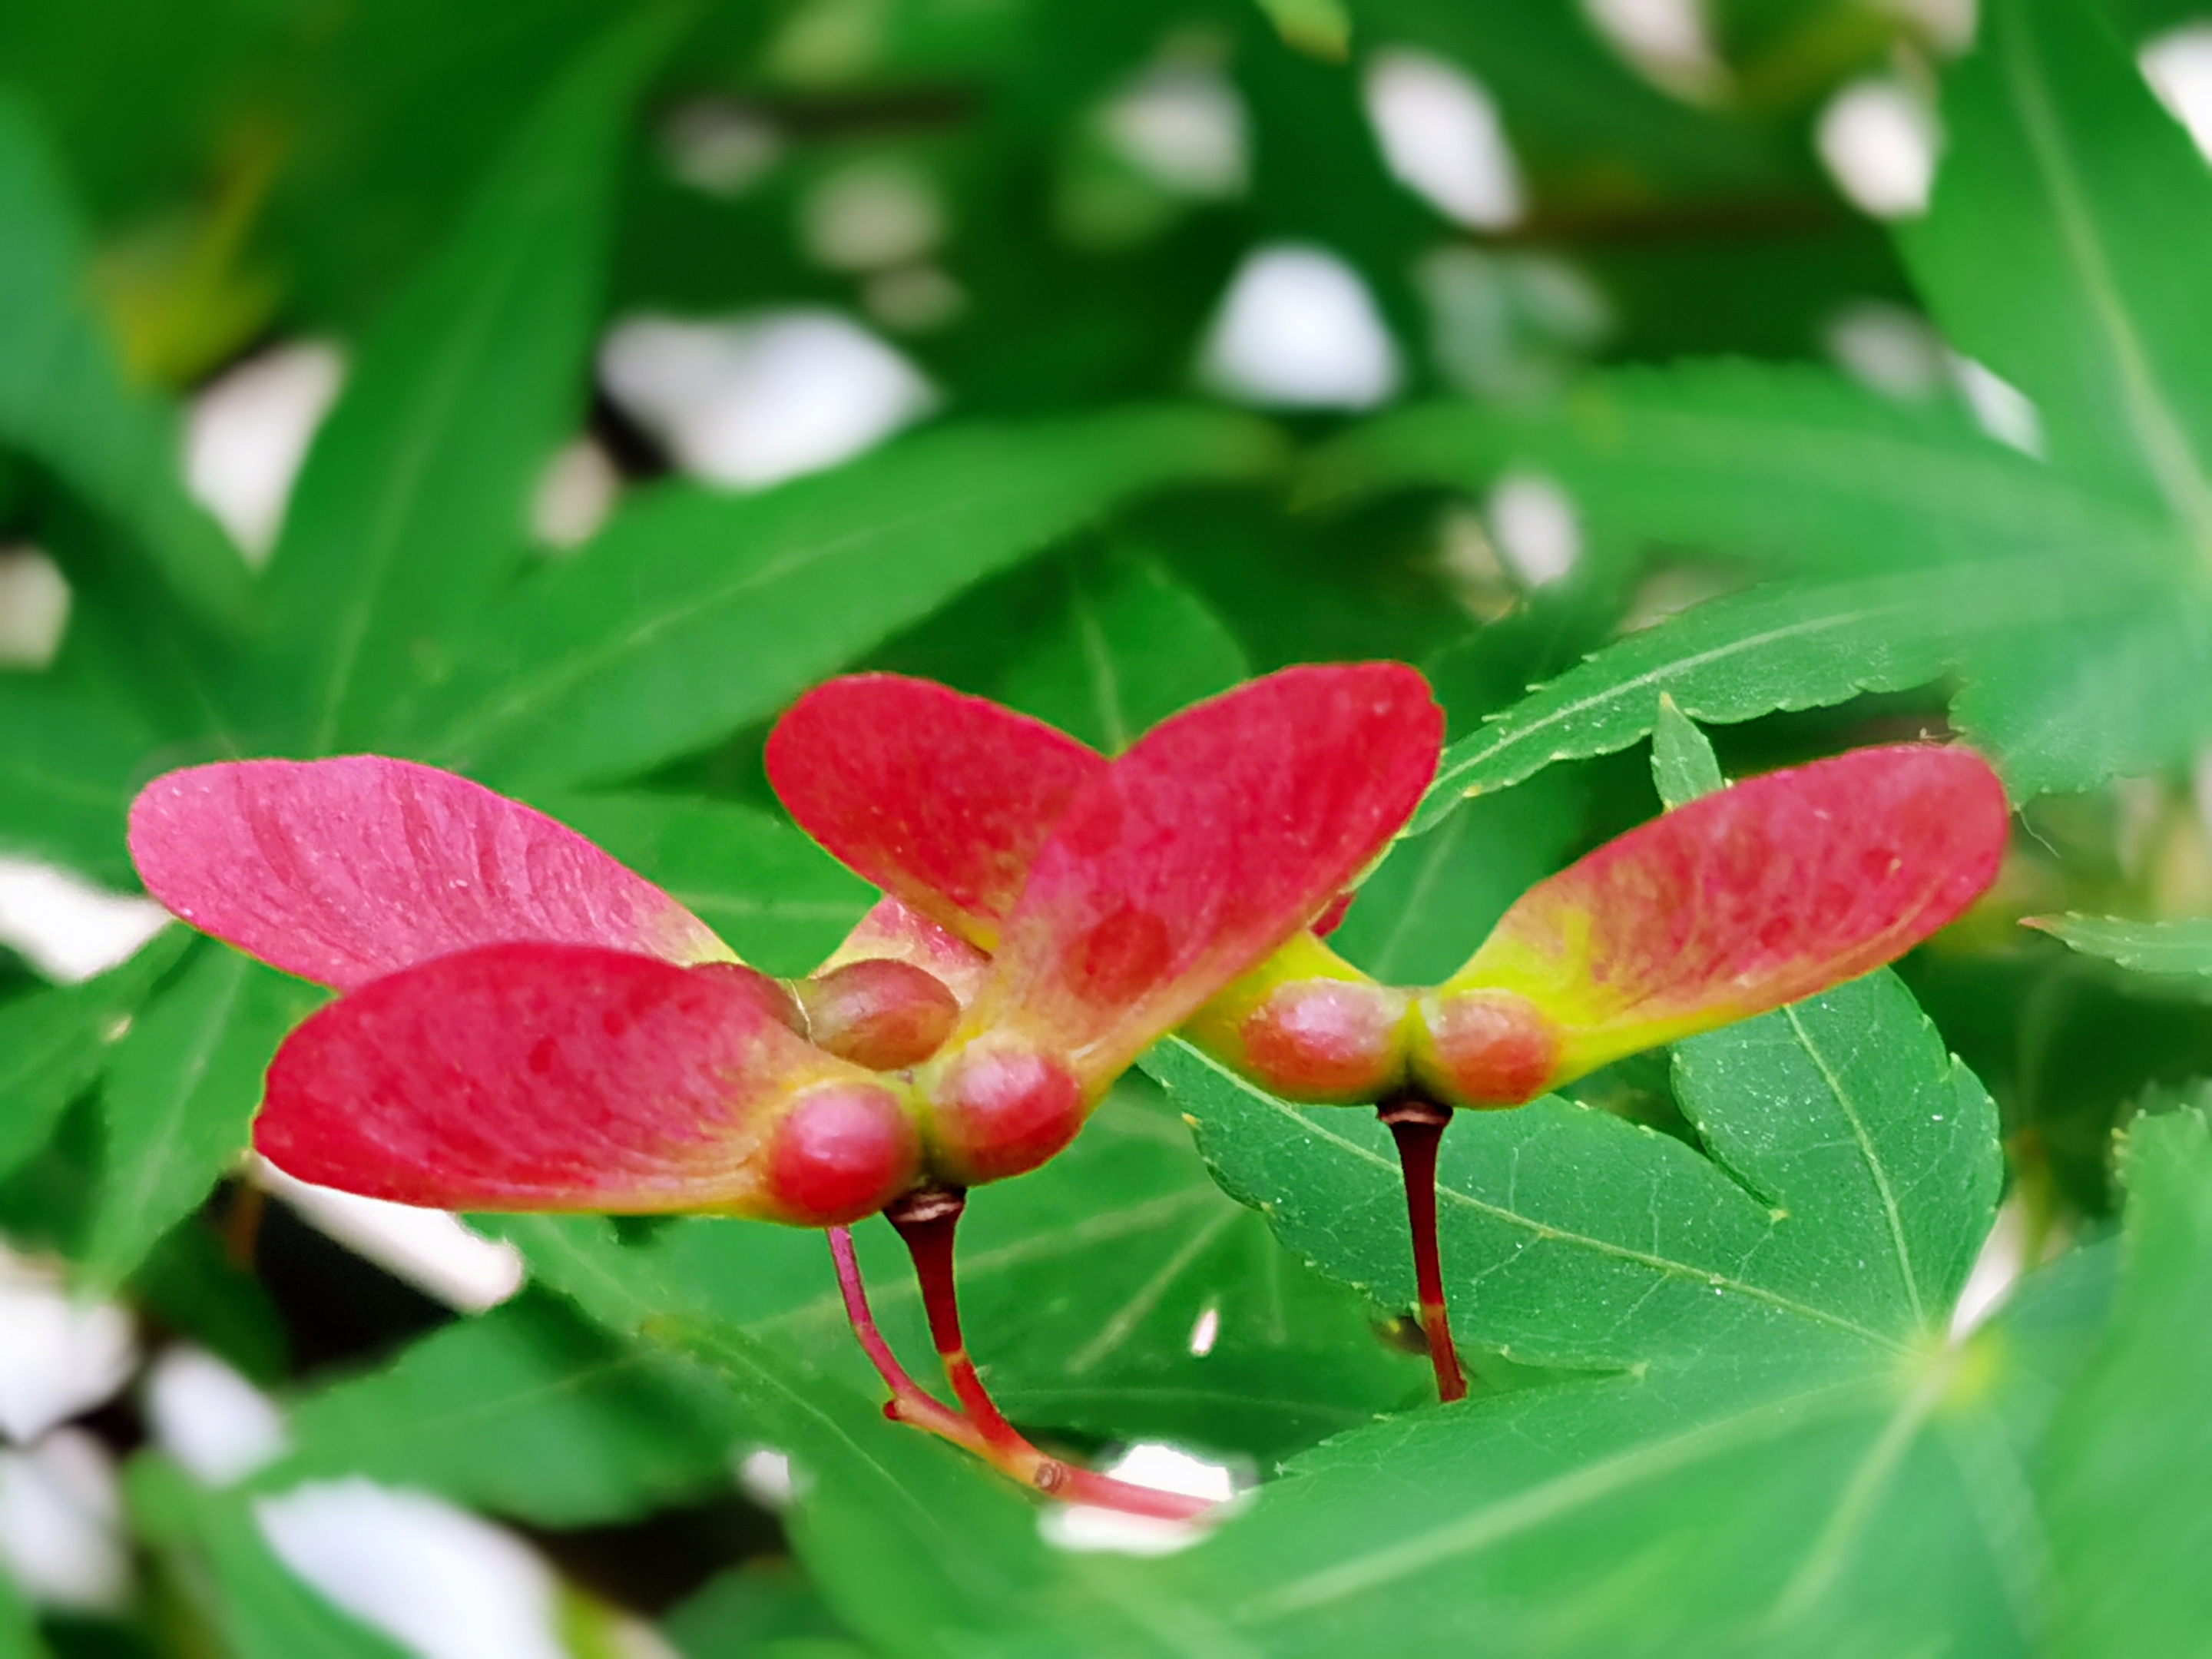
x=1417, y=1124
x=909, y=1402
x=926, y=1221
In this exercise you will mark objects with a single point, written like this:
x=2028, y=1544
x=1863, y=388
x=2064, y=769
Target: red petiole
x=1417, y=1124
x=925, y=1221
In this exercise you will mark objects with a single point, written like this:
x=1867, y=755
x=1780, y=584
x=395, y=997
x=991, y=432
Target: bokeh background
x=555, y=389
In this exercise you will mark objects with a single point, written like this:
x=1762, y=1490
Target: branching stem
x=926, y=1221
x=1417, y=1124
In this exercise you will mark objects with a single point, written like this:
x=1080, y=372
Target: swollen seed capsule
x=1483, y=1047
x=843, y=1151
x=880, y=1013
x=999, y=1109
x=1326, y=1040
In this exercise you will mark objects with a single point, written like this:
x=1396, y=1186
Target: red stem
x=1416, y=1125
x=926, y=1221
x=909, y=1403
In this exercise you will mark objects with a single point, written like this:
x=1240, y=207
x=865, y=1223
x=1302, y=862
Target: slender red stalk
x=1417, y=1124
x=909, y=1402
x=926, y=1221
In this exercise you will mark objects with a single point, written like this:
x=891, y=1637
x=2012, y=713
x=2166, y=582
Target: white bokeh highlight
x=913, y=299
x=61, y=1524
x=1184, y=127
x=208, y=1417
x=1533, y=523
x=1997, y=1268
x=1888, y=349
x=750, y=402
x=2178, y=66
x=1666, y=41
x=1299, y=330
x=1947, y=25
x=871, y=215
x=433, y=1250
x=58, y=1357
x=1878, y=139
x=1084, y=1530
x=69, y=929
x=574, y=496
x=247, y=432
x=1442, y=137
x=438, y=1580
x=720, y=147
x=765, y=1475
x=34, y=607
x=2000, y=408
x=1510, y=323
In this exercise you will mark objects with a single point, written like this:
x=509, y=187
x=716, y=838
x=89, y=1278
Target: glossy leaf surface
x=1683, y=765
x=1791, y=647
x=343, y=870
x=1772, y=1310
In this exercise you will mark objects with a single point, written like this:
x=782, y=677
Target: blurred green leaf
x=763, y=1610
x=1320, y=28
x=69, y=767
x=1790, y=465
x=1424, y=911
x=1131, y=645
x=19, y=1629
x=190, y=1283
x=183, y=1087
x=694, y=612
x=63, y=397
x=55, y=1044
x=777, y=898
x=524, y=1411
x=2148, y=947
x=2118, y=685
x=1683, y=764
x=410, y=511
x=2056, y=153
x=2122, y=1474
x=214, y=1553
x=1789, y=1457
